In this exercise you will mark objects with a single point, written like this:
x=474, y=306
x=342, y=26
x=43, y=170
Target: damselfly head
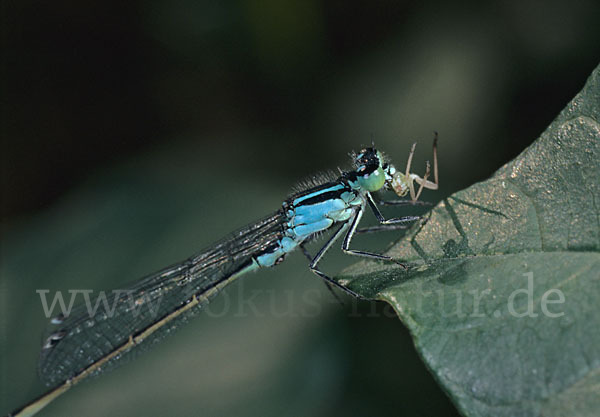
x=374, y=172
x=369, y=169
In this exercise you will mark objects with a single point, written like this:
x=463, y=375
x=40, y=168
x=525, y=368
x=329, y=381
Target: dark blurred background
x=127, y=124
x=90, y=83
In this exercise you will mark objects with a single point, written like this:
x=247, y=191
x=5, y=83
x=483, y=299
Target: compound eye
x=373, y=181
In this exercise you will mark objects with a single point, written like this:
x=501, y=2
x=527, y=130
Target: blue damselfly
x=83, y=344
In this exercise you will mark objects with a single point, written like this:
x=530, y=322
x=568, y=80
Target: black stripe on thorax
x=323, y=197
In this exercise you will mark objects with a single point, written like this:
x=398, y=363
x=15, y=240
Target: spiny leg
x=403, y=203
x=348, y=238
x=327, y=284
x=319, y=255
x=399, y=202
x=382, y=220
x=384, y=224
x=381, y=228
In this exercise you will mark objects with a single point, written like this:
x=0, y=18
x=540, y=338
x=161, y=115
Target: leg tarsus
x=403, y=203
x=348, y=238
x=383, y=220
x=382, y=228
x=327, y=284
x=315, y=261
x=330, y=288
x=331, y=281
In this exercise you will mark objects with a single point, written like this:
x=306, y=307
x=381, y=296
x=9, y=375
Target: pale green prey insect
x=84, y=344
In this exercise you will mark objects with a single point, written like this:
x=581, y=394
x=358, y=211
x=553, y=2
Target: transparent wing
x=114, y=326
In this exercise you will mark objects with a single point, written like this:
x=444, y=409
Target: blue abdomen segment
x=285, y=245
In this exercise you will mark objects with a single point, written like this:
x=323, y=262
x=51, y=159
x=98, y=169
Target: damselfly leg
x=348, y=238
x=390, y=224
x=315, y=261
x=351, y=227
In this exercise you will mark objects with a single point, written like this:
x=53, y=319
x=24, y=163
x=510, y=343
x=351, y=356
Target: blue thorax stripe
x=328, y=191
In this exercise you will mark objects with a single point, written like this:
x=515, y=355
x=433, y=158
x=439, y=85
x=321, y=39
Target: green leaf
x=502, y=294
